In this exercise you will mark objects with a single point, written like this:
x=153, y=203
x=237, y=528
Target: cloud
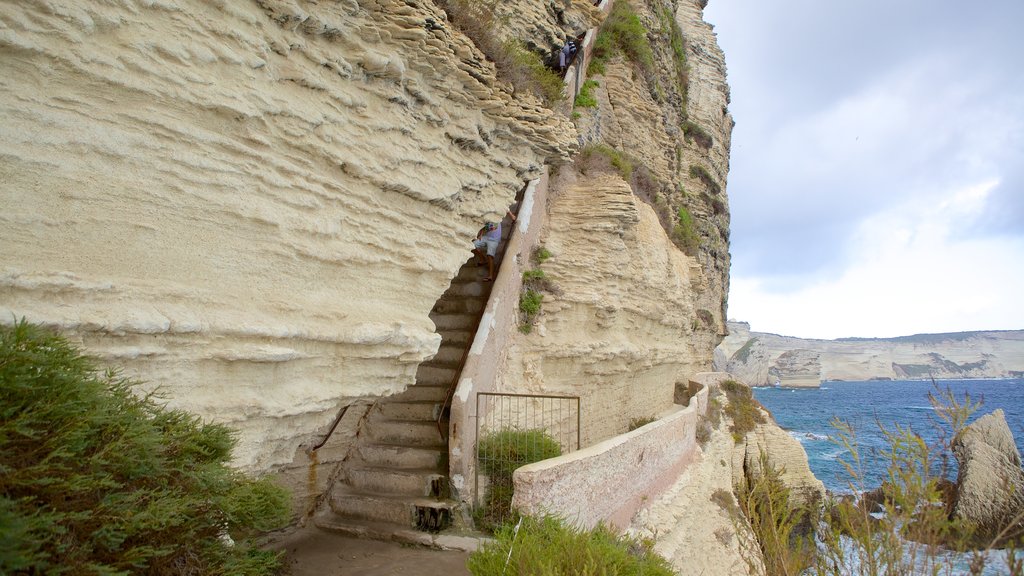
x=854, y=122
x=911, y=272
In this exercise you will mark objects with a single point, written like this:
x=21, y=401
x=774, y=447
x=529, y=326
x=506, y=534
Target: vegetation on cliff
x=94, y=479
x=513, y=61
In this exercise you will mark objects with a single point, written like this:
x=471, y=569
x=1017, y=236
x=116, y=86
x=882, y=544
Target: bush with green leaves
x=742, y=408
x=684, y=233
x=499, y=454
x=586, y=98
x=622, y=32
x=693, y=132
x=604, y=158
x=96, y=479
x=529, y=306
x=551, y=547
x=701, y=173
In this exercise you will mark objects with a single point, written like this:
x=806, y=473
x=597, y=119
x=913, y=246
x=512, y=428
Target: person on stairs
x=485, y=247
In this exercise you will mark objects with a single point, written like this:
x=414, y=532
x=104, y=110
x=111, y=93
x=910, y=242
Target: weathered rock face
x=763, y=359
x=784, y=453
x=645, y=118
x=619, y=330
x=252, y=206
x=544, y=25
x=990, y=482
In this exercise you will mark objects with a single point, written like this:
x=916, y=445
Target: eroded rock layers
x=251, y=205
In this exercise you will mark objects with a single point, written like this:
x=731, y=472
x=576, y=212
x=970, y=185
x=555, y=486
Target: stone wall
x=612, y=480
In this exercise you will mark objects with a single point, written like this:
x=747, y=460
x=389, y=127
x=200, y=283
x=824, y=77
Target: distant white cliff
x=767, y=359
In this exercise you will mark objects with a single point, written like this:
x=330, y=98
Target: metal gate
x=514, y=426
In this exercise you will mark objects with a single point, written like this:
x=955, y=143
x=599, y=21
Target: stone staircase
x=396, y=478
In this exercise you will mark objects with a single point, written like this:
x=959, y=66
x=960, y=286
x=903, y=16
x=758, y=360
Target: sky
x=876, y=179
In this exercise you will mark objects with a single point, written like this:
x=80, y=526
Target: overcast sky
x=877, y=168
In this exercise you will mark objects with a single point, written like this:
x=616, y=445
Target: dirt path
x=312, y=552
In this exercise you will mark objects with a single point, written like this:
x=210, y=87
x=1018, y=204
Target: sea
x=869, y=407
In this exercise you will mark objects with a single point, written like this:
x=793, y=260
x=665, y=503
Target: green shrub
x=684, y=234
x=701, y=173
x=742, y=408
x=529, y=306
x=94, y=479
x=622, y=32
x=602, y=157
x=779, y=526
x=540, y=254
x=549, y=546
x=530, y=74
x=499, y=454
x=513, y=62
x=533, y=275
x=693, y=132
x=586, y=98
x=670, y=27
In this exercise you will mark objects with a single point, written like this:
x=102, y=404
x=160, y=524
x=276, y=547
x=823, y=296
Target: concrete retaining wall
x=612, y=480
x=496, y=326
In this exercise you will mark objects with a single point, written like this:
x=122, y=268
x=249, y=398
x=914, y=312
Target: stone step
x=428, y=516
x=470, y=272
x=423, y=482
x=421, y=392
x=456, y=321
x=412, y=410
x=405, y=511
x=429, y=374
x=404, y=433
x=402, y=457
x=468, y=289
x=447, y=355
x=473, y=305
x=459, y=337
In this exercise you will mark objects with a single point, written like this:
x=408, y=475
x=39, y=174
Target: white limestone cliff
x=251, y=206
x=765, y=359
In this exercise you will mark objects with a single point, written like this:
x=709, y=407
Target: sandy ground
x=312, y=552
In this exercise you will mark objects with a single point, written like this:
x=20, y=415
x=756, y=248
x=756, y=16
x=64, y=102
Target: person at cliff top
x=485, y=247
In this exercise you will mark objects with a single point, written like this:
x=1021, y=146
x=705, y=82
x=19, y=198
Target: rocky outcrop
x=644, y=114
x=544, y=26
x=765, y=359
x=990, y=482
x=783, y=453
x=252, y=206
x=618, y=330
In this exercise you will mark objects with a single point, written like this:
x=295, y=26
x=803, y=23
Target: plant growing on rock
x=586, y=98
x=529, y=306
x=98, y=480
x=622, y=32
x=741, y=407
x=513, y=62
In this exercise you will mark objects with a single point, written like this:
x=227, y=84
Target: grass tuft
x=499, y=454
x=551, y=546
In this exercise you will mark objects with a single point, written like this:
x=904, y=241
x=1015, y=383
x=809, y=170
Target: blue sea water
x=807, y=415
